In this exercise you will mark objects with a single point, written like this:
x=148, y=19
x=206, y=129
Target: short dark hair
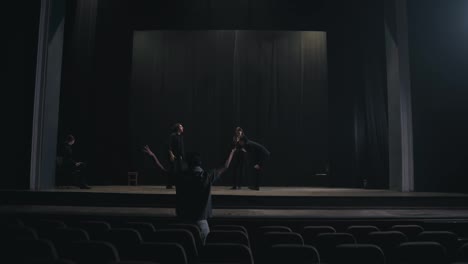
x=194, y=159
x=175, y=127
x=69, y=138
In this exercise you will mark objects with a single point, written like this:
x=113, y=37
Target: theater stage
x=264, y=191
x=223, y=198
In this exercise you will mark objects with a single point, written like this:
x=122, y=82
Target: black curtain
x=373, y=156
x=77, y=108
x=271, y=83
x=372, y=148
x=95, y=86
x=357, y=97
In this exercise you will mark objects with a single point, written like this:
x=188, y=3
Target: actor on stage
x=193, y=191
x=176, y=153
x=257, y=155
x=70, y=166
x=239, y=161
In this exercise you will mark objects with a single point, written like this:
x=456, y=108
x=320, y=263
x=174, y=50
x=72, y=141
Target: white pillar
x=399, y=97
x=47, y=94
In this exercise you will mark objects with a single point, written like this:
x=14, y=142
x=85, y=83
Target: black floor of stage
x=272, y=198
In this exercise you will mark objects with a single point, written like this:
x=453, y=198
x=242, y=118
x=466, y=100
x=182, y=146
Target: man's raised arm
x=221, y=170
x=148, y=151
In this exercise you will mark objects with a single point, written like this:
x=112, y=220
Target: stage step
x=223, y=198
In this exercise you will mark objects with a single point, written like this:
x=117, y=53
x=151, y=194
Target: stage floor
x=264, y=191
x=269, y=202
x=369, y=214
x=268, y=198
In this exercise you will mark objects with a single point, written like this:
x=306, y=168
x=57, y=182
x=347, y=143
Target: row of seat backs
x=395, y=243
x=89, y=252
x=308, y=232
x=361, y=233
x=411, y=231
x=99, y=252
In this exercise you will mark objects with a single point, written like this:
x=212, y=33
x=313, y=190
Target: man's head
x=178, y=128
x=239, y=132
x=70, y=140
x=193, y=159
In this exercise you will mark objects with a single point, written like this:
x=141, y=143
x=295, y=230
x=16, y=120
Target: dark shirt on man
x=66, y=152
x=176, y=145
x=193, y=194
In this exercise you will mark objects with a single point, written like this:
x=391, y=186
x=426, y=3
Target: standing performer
x=176, y=153
x=257, y=155
x=239, y=165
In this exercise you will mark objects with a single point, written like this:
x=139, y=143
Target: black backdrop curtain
x=271, y=83
x=374, y=162
x=77, y=108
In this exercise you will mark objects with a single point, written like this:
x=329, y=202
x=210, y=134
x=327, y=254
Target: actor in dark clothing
x=193, y=192
x=257, y=155
x=71, y=167
x=239, y=161
x=176, y=154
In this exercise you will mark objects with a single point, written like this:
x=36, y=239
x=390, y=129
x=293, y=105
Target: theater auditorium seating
x=231, y=236
x=64, y=239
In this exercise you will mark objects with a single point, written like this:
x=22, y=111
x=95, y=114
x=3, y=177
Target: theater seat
x=124, y=239
x=163, y=253
x=259, y=233
x=236, y=237
x=309, y=233
x=326, y=244
x=144, y=228
x=388, y=241
x=46, y=223
x=18, y=233
x=179, y=236
x=275, y=238
x=226, y=253
x=297, y=254
x=411, y=231
x=447, y=239
x=10, y=222
x=358, y=253
x=462, y=254
x=361, y=233
x=45, y=226
x=94, y=228
x=91, y=252
x=194, y=229
x=264, y=229
x=28, y=250
x=421, y=253
x=64, y=236
x=68, y=235
x=265, y=243
x=230, y=228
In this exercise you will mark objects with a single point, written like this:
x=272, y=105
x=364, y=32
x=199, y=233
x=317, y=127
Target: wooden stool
x=132, y=178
